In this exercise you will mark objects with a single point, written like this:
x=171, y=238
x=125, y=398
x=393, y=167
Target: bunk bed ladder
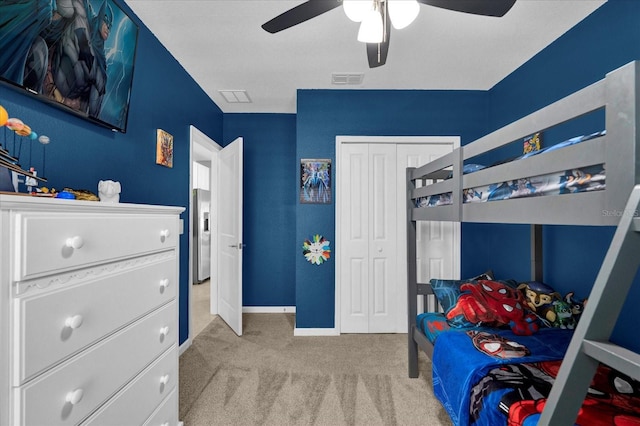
x=590, y=344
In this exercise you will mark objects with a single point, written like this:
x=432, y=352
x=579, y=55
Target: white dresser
x=88, y=313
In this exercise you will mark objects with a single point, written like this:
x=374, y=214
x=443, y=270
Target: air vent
x=236, y=96
x=344, y=78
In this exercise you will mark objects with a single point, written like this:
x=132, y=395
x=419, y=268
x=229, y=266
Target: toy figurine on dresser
x=109, y=191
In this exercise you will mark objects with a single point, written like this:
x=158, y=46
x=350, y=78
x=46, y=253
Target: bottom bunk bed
x=494, y=359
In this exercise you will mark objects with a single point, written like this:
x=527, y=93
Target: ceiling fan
x=377, y=17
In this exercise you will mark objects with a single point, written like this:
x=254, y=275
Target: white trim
x=268, y=309
x=453, y=140
x=196, y=136
x=316, y=332
x=184, y=346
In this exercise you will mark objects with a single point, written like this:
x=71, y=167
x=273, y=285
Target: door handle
x=239, y=246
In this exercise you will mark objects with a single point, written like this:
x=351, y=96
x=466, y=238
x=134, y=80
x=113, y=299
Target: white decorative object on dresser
x=88, y=312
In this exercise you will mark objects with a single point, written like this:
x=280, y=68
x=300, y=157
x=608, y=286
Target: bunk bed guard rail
x=617, y=150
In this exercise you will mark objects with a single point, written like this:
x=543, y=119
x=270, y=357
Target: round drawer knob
x=165, y=233
x=164, y=380
x=163, y=333
x=75, y=396
x=164, y=283
x=74, y=242
x=74, y=321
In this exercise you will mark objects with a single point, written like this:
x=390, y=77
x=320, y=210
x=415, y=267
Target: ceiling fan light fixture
x=371, y=28
x=357, y=9
x=403, y=12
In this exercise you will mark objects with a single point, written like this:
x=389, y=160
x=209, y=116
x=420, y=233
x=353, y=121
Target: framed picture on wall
x=315, y=181
x=164, y=148
x=75, y=54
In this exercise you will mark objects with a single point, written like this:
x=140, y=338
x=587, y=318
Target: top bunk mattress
x=583, y=179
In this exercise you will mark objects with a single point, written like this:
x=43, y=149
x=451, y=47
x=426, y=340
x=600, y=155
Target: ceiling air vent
x=344, y=78
x=236, y=96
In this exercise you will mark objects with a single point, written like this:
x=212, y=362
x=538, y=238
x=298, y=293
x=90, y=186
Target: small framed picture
x=315, y=181
x=532, y=143
x=164, y=148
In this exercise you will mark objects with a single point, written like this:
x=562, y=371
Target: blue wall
x=607, y=39
x=604, y=41
x=82, y=153
x=268, y=274
x=323, y=115
x=164, y=96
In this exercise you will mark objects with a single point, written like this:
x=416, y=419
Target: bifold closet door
x=435, y=241
x=369, y=238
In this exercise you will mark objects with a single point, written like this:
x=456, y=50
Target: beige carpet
x=270, y=377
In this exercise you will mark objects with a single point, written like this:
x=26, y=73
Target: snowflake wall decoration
x=316, y=250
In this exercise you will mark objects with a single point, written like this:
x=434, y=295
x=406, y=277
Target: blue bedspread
x=458, y=366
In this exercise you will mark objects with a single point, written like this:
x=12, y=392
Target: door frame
x=340, y=140
x=197, y=137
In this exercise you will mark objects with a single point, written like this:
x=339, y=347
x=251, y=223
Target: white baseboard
x=316, y=332
x=184, y=346
x=268, y=309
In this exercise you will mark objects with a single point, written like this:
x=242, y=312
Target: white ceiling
x=222, y=46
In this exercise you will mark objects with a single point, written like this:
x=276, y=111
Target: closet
x=372, y=246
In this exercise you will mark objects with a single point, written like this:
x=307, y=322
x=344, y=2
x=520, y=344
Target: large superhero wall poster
x=75, y=53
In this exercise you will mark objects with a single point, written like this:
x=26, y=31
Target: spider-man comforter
x=494, y=377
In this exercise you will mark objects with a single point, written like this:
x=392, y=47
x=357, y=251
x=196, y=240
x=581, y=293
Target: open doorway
x=202, y=277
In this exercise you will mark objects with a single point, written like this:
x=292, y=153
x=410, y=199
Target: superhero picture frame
x=76, y=54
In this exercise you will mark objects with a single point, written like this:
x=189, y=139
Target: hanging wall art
x=76, y=55
x=315, y=181
x=164, y=148
x=316, y=250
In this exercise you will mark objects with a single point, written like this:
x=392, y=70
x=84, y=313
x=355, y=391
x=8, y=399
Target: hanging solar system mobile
x=11, y=160
x=316, y=250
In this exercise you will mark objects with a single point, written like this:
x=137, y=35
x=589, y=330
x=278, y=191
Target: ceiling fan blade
x=377, y=53
x=477, y=7
x=304, y=12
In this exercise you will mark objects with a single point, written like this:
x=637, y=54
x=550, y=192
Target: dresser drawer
x=167, y=413
x=70, y=392
x=49, y=327
x=56, y=242
x=147, y=390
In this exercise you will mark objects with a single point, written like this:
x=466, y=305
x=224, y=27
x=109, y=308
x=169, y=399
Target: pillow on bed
x=495, y=304
x=448, y=291
x=468, y=168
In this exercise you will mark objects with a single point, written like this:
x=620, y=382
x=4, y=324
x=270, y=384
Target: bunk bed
x=588, y=179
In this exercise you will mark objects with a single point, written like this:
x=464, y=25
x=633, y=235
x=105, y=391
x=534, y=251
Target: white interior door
x=382, y=221
x=368, y=258
x=371, y=224
x=354, y=255
x=437, y=243
x=229, y=230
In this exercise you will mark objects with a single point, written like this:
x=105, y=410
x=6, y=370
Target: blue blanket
x=458, y=365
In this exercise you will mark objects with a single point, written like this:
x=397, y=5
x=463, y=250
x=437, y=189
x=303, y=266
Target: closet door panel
x=382, y=244
x=354, y=259
x=430, y=236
